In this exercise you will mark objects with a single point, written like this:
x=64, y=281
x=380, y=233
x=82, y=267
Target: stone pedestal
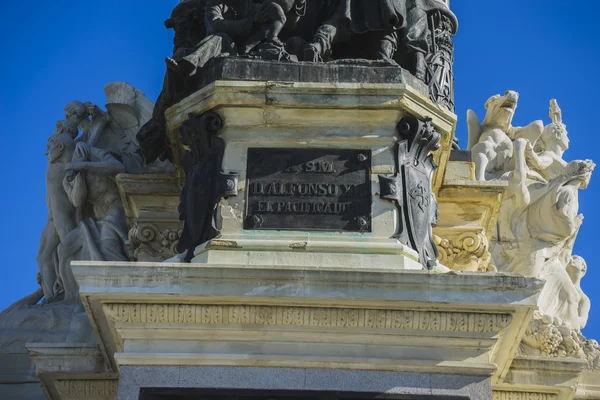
x=468, y=215
x=298, y=115
x=424, y=325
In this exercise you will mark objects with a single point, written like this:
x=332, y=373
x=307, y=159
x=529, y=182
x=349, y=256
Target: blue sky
x=57, y=51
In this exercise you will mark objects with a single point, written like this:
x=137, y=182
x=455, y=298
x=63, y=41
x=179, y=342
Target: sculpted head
x=579, y=172
x=66, y=126
x=554, y=133
x=76, y=111
x=58, y=145
x=500, y=110
x=576, y=268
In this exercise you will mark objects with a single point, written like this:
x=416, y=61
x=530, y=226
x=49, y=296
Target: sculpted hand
x=530, y=156
x=82, y=151
x=312, y=52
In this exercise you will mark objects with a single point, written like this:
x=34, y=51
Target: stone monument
x=292, y=218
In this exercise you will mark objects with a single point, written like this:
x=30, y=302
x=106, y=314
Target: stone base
x=360, y=71
x=546, y=378
x=20, y=327
x=299, y=380
x=72, y=372
x=319, y=254
x=150, y=314
x=318, y=114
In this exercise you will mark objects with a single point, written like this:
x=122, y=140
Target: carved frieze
x=502, y=395
x=307, y=316
x=87, y=388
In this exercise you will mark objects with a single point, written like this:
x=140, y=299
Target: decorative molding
x=103, y=388
x=501, y=395
x=306, y=316
x=150, y=243
x=468, y=251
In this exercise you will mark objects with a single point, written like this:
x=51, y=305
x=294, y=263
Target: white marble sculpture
x=86, y=220
x=538, y=223
x=491, y=141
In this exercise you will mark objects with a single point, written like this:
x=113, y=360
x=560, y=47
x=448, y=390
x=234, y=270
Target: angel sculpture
x=128, y=109
x=86, y=217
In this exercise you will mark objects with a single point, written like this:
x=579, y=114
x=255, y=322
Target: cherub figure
x=80, y=114
x=61, y=212
x=114, y=130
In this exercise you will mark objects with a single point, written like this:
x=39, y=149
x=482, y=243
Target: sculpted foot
x=181, y=68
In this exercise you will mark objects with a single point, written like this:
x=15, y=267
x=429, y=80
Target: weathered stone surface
x=259, y=70
x=133, y=378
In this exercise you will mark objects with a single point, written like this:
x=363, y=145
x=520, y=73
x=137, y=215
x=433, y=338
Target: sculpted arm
x=540, y=161
x=216, y=23
x=584, y=311
x=107, y=164
x=99, y=121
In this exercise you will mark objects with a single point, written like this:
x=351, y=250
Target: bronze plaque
x=308, y=190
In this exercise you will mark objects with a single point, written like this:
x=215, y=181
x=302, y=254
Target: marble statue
x=562, y=298
x=86, y=219
x=538, y=220
x=102, y=234
x=491, y=141
x=547, y=156
x=62, y=214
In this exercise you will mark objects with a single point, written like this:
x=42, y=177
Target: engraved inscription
x=308, y=189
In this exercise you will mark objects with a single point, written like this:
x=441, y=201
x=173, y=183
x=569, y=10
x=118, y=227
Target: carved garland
x=306, y=316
